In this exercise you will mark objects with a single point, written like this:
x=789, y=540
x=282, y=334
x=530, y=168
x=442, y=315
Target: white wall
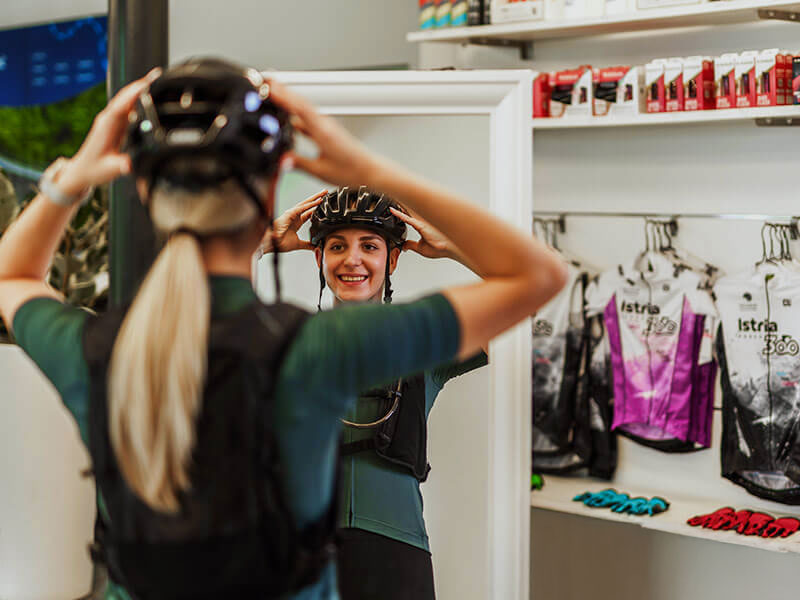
x=286, y=34
x=46, y=506
x=720, y=168
x=456, y=502
x=14, y=13
x=281, y=34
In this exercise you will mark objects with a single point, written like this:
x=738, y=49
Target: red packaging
x=541, y=96
x=725, y=80
x=787, y=77
x=615, y=88
x=654, y=84
x=698, y=83
x=746, y=79
x=570, y=92
x=770, y=78
x=673, y=85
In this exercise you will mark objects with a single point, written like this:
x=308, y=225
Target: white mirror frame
x=505, y=97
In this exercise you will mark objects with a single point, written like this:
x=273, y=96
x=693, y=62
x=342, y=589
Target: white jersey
x=759, y=353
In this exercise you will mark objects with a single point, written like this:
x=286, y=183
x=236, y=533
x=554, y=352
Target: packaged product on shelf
x=770, y=78
x=475, y=12
x=571, y=93
x=506, y=11
x=583, y=9
x=654, y=84
x=795, y=79
x=554, y=9
x=746, y=79
x=458, y=13
x=787, y=76
x=725, y=80
x=618, y=90
x=541, y=96
x=427, y=14
x=784, y=76
x=673, y=84
x=698, y=83
x=442, y=13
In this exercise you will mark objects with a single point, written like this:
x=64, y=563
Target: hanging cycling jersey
x=571, y=412
x=759, y=358
x=661, y=355
x=558, y=338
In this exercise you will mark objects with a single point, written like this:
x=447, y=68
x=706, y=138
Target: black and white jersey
x=571, y=401
x=759, y=354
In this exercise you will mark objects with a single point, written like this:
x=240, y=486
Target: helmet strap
x=321, y=282
x=387, y=284
x=275, y=270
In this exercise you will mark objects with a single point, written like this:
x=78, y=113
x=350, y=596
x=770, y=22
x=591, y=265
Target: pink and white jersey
x=656, y=321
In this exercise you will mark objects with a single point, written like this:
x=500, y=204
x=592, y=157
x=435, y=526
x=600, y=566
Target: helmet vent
x=185, y=137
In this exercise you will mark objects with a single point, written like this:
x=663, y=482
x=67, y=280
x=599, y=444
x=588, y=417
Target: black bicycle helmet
x=360, y=208
x=209, y=108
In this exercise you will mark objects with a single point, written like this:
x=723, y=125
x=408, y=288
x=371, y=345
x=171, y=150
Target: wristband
x=48, y=186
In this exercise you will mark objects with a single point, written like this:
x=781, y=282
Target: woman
x=213, y=420
x=357, y=237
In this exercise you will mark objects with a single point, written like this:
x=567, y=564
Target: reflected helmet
x=360, y=208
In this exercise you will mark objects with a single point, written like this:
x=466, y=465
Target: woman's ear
x=318, y=256
x=394, y=256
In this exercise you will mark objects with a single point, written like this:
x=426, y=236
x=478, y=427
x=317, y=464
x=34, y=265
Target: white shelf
x=722, y=12
x=780, y=113
x=558, y=492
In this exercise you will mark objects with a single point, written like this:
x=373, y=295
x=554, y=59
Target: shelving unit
x=721, y=12
x=558, y=492
x=768, y=115
x=676, y=170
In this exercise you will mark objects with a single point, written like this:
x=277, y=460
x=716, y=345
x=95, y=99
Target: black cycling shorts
x=375, y=567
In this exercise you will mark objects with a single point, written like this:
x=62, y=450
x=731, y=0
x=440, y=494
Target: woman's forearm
x=28, y=245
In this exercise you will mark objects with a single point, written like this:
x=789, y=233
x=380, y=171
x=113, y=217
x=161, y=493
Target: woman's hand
x=432, y=242
x=99, y=159
x=285, y=228
x=342, y=159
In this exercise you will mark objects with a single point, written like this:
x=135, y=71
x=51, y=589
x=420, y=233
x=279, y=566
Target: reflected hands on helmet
x=99, y=159
x=285, y=228
x=432, y=242
x=341, y=158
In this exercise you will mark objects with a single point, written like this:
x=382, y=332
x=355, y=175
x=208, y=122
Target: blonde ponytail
x=158, y=364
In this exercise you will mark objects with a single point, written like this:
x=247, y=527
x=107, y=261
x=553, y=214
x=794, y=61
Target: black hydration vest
x=233, y=536
x=403, y=438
